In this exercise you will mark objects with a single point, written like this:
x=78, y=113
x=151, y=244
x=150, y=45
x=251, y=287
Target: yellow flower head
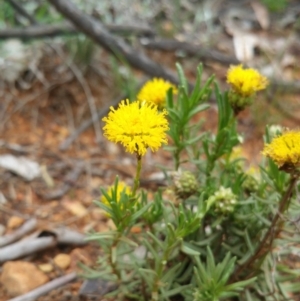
x=121, y=187
x=137, y=126
x=284, y=150
x=155, y=91
x=245, y=82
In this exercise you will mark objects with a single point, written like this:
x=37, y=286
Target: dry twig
x=26, y=228
x=25, y=247
x=45, y=30
x=189, y=49
x=95, y=30
x=40, y=241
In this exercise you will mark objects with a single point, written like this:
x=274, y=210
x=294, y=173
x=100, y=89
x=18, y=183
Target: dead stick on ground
x=45, y=30
x=189, y=49
x=26, y=228
x=68, y=236
x=42, y=240
x=46, y=288
x=95, y=30
x=25, y=247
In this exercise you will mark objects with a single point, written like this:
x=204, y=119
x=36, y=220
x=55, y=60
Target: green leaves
x=184, y=109
x=204, y=245
x=212, y=278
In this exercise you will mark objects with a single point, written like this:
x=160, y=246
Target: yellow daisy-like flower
x=137, y=126
x=284, y=150
x=155, y=91
x=246, y=82
x=121, y=187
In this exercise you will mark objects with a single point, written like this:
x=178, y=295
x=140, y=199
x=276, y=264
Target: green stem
x=273, y=231
x=216, y=154
x=159, y=273
x=176, y=158
x=137, y=176
x=111, y=261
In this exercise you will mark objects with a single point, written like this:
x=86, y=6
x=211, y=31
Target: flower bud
x=224, y=200
x=185, y=184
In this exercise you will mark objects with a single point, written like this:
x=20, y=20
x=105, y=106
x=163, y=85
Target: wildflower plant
x=226, y=232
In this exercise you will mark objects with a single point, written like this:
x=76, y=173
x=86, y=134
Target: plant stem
x=177, y=158
x=272, y=233
x=137, y=176
x=159, y=271
x=111, y=261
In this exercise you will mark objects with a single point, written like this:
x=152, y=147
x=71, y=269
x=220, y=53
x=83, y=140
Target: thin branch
x=189, y=49
x=26, y=228
x=36, y=32
x=95, y=30
x=41, y=240
x=45, y=30
x=25, y=247
x=20, y=9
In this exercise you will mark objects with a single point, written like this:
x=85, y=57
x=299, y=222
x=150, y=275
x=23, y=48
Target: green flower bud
x=185, y=184
x=224, y=200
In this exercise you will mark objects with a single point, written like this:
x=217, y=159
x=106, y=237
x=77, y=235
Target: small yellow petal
x=155, y=90
x=284, y=149
x=246, y=82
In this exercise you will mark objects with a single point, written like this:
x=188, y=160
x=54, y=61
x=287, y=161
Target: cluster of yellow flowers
x=142, y=124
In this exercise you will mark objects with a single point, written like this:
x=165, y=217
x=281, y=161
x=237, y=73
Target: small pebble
x=46, y=267
x=15, y=222
x=63, y=261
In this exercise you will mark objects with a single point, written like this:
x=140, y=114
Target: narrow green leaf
x=198, y=109
x=148, y=276
x=210, y=262
x=104, y=207
x=240, y=284
x=248, y=241
x=139, y=213
x=128, y=241
x=186, y=248
x=177, y=290
x=99, y=236
x=152, y=250
x=182, y=77
x=158, y=242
